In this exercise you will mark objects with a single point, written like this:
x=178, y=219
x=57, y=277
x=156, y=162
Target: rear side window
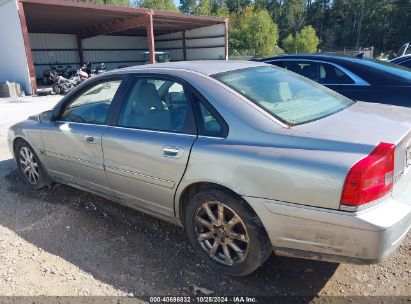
x=320, y=72
x=208, y=122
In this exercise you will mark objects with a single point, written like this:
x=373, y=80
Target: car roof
x=325, y=57
x=372, y=71
x=207, y=67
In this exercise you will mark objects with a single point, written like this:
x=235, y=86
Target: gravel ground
x=68, y=242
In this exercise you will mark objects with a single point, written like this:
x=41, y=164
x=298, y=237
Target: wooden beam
x=184, y=46
x=150, y=38
x=80, y=50
x=27, y=48
x=114, y=27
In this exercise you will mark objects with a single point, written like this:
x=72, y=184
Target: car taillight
x=370, y=178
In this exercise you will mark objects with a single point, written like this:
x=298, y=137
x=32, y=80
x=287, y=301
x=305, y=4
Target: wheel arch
x=190, y=190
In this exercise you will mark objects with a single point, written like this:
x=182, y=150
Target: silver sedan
x=247, y=157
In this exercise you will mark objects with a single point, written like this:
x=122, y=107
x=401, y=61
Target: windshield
x=291, y=98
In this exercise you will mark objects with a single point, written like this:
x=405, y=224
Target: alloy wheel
x=29, y=166
x=221, y=233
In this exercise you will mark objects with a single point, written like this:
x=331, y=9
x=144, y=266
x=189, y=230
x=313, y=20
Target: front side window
x=93, y=105
x=291, y=98
x=155, y=104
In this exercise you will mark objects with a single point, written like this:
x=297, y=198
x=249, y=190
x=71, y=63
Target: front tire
x=226, y=232
x=30, y=166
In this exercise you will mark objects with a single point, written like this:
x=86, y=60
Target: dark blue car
x=357, y=78
x=403, y=61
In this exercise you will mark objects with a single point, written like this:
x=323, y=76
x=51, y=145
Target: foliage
x=305, y=41
x=163, y=5
x=188, y=6
x=255, y=30
x=203, y=8
x=289, y=45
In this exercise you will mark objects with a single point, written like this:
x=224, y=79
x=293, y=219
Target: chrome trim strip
x=170, y=184
x=152, y=131
x=365, y=206
x=67, y=157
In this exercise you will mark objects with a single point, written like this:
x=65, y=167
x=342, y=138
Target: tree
x=223, y=11
x=163, y=5
x=255, y=30
x=305, y=41
x=188, y=6
x=292, y=16
x=237, y=6
x=203, y=8
x=289, y=45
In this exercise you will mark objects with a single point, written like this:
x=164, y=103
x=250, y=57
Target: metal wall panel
x=115, y=42
x=55, y=49
x=205, y=42
x=206, y=54
x=52, y=41
x=177, y=35
x=202, y=43
x=115, y=51
x=207, y=31
x=169, y=44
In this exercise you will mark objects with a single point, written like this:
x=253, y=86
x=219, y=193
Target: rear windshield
x=389, y=67
x=289, y=97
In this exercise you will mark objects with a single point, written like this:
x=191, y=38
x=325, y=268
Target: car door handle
x=174, y=152
x=90, y=139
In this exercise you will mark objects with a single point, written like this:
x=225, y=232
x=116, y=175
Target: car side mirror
x=46, y=116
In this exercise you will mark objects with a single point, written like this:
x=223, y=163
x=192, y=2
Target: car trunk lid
x=370, y=124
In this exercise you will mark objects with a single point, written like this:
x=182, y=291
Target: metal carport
x=78, y=32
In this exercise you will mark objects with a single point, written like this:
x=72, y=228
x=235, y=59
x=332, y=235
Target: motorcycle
x=61, y=85
x=101, y=68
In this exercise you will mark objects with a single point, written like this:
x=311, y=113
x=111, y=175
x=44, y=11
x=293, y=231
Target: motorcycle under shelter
x=38, y=33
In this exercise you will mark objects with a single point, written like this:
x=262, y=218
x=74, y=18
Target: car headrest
x=147, y=99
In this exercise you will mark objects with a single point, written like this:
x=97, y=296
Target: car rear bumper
x=363, y=237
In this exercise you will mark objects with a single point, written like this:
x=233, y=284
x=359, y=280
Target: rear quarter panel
x=289, y=169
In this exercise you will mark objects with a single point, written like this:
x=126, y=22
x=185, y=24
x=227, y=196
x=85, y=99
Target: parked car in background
x=248, y=157
x=404, y=61
x=356, y=78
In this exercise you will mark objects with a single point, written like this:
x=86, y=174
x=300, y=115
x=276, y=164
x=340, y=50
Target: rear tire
x=29, y=166
x=226, y=232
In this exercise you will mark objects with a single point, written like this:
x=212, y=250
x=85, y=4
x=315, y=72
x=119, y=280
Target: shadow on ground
x=135, y=252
